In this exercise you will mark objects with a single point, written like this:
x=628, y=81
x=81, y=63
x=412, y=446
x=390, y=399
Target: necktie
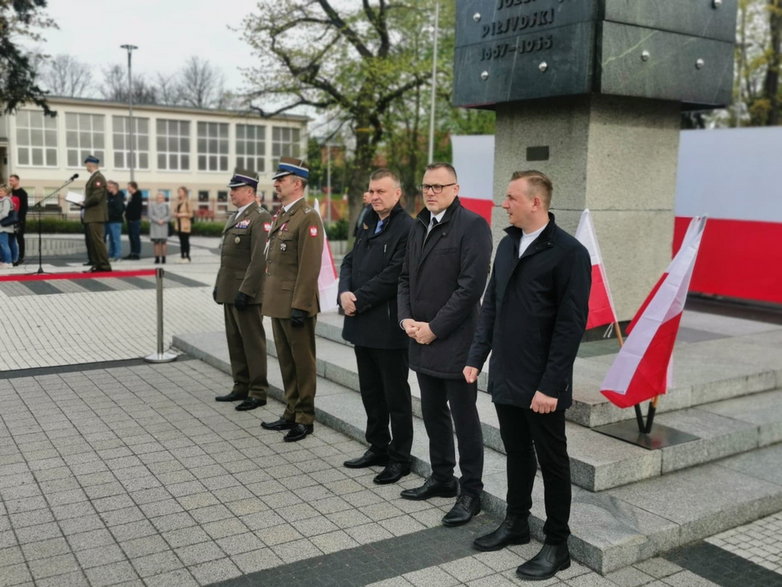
x=379, y=227
x=432, y=224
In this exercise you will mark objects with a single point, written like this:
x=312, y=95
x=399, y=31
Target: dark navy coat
x=371, y=271
x=533, y=317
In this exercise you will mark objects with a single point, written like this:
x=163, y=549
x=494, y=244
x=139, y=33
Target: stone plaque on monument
x=675, y=50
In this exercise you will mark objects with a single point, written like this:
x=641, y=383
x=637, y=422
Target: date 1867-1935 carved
x=501, y=50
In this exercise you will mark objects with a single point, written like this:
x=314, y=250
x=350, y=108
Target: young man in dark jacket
x=133, y=218
x=368, y=281
x=440, y=287
x=116, y=202
x=532, y=320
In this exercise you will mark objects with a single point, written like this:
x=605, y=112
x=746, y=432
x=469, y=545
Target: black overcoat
x=441, y=283
x=533, y=317
x=371, y=271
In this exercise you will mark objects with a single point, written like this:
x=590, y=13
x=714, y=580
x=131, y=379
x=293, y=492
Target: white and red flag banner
x=601, y=304
x=640, y=370
x=328, y=281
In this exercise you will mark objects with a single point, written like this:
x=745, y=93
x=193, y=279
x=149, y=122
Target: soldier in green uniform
x=96, y=214
x=293, y=258
x=239, y=288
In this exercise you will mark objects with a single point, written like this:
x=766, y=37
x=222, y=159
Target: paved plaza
x=114, y=471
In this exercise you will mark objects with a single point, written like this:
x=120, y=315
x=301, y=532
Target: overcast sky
x=167, y=32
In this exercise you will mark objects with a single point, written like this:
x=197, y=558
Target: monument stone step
x=715, y=358
x=599, y=461
x=613, y=527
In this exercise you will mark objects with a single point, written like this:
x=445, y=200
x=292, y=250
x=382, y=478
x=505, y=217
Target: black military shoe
x=463, y=511
x=432, y=488
x=368, y=459
x=279, y=425
x=551, y=559
x=298, y=432
x=231, y=397
x=250, y=404
x=513, y=530
x=392, y=473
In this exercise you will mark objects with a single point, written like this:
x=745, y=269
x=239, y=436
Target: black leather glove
x=297, y=317
x=241, y=300
x=214, y=294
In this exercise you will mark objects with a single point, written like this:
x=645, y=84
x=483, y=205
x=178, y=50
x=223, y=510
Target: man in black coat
x=532, y=320
x=368, y=281
x=440, y=287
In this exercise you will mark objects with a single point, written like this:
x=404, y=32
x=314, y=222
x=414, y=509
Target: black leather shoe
x=298, y=432
x=279, y=425
x=513, y=530
x=368, y=459
x=250, y=404
x=551, y=559
x=392, y=473
x=231, y=397
x=463, y=511
x=432, y=488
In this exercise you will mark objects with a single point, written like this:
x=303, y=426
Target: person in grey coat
x=445, y=270
x=159, y=217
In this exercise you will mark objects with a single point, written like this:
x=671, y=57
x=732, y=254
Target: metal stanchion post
x=160, y=356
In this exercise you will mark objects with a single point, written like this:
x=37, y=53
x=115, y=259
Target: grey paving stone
x=125, y=532
x=154, y=564
x=658, y=567
x=333, y=541
x=186, y=536
x=81, y=524
x=90, y=539
x=214, y=571
x=73, y=579
x=47, y=567
x=256, y=560
x=199, y=553
x=138, y=547
x=16, y=575
x=296, y=550
x=223, y=528
x=111, y=574
x=100, y=555
x=466, y=569
x=38, y=532
x=175, y=578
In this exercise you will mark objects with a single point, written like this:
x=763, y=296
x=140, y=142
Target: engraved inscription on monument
x=509, y=50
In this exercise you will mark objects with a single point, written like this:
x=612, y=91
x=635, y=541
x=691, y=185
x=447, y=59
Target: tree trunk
x=771, y=83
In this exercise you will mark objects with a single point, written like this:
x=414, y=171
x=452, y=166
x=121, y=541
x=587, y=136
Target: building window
x=285, y=143
x=251, y=147
x=222, y=196
x=83, y=137
x=36, y=139
x=212, y=146
x=121, y=135
x=203, y=195
x=173, y=144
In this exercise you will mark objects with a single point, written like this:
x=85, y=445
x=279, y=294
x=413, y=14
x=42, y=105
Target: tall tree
x=352, y=63
x=18, y=83
x=65, y=75
x=200, y=84
x=115, y=86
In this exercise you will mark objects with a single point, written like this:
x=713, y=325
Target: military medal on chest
x=283, y=247
x=237, y=240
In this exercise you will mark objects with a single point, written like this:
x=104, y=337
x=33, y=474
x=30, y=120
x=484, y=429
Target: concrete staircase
x=629, y=503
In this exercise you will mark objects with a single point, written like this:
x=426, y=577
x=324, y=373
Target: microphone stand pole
x=39, y=206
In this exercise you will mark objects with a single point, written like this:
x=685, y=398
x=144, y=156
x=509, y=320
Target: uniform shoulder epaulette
x=307, y=209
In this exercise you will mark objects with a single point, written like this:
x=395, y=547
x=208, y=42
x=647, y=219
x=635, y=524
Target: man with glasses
x=445, y=270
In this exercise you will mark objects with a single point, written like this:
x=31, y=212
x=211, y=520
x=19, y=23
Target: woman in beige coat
x=183, y=213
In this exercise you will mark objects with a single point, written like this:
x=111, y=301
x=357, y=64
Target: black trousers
x=524, y=434
x=436, y=396
x=382, y=375
x=184, y=244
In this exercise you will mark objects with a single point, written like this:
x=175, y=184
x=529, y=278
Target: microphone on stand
x=74, y=176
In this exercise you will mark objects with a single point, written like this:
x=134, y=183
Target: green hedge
x=53, y=225
x=337, y=231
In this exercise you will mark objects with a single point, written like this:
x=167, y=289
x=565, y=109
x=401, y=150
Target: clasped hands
x=419, y=331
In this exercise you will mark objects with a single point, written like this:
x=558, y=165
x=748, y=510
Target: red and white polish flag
x=640, y=370
x=328, y=282
x=601, y=304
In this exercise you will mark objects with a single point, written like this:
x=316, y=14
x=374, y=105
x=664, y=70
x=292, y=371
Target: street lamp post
x=434, y=79
x=130, y=49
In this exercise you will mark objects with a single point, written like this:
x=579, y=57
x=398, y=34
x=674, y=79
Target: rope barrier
x=157, y=357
